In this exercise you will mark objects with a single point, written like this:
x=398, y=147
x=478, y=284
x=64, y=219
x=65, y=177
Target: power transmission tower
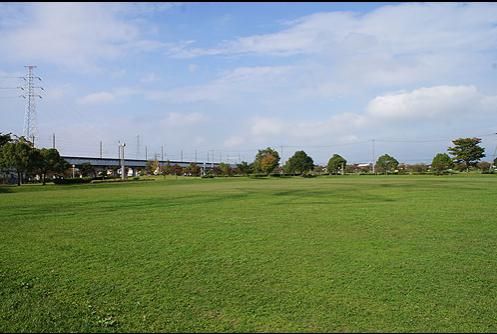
x=30, y=93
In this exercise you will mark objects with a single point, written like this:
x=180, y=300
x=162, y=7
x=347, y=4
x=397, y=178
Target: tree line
x=17, y=154
x=20, y=155
x=465, y=154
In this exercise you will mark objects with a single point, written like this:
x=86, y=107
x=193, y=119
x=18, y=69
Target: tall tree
x=386, y=164
x=151, y=166
x=266, y=160
x=467, y=151
x=299, y=163
x=167, y=169
x=194, y=169
x=225, y=169
x=18, y=155
x=441, y=163
x=176, y=169
x=417, y=168
x=484, y=166
x=87, y=169
x=5, y=138
x=244, y=168
x=336, y=163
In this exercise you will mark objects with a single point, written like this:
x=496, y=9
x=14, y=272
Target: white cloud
x=427, y=103
x=97, y=98
x=79, y=36
x=234, y=141
x=182, y=119
x=432, y=106
x=229, y=86
x=396, y=29
x=149, y=77
x=57, y=92
x=406, y=45
x=109, y=96
x=192, y=68
x=118, y=74
x=343, y=125
x=265, y=126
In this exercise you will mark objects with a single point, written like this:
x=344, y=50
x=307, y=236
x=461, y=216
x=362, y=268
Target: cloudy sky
x=228, y=79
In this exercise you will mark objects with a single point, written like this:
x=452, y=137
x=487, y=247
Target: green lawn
x=345, y=253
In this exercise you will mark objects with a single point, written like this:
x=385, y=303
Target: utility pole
x=161, y=164
x=53, y=140
x=121, y=154
x=30, y=94
x=181, y=156
x=493, y=158
x=146, y=153
x=211, y=158
x=373, y=155
x=101, y=151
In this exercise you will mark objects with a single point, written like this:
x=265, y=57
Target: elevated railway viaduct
x=134, y=165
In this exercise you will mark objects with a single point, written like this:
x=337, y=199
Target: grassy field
x=353, y=254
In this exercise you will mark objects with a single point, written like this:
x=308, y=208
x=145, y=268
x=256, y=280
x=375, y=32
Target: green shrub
x=258, y=175
x=73, y=180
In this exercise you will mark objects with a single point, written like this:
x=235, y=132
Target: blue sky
x=228, y=79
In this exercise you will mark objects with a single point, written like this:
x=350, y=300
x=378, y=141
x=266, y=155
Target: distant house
x=362, y=167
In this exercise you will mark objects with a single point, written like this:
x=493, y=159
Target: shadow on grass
x=329, y=197
x=5, y=189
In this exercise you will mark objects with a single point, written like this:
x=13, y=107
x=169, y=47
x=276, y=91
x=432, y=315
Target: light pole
x=121, y=147
x=73, y=167
x=493, y=158
x=373, y=156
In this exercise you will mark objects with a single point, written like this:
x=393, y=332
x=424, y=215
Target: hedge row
x=75, y=180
